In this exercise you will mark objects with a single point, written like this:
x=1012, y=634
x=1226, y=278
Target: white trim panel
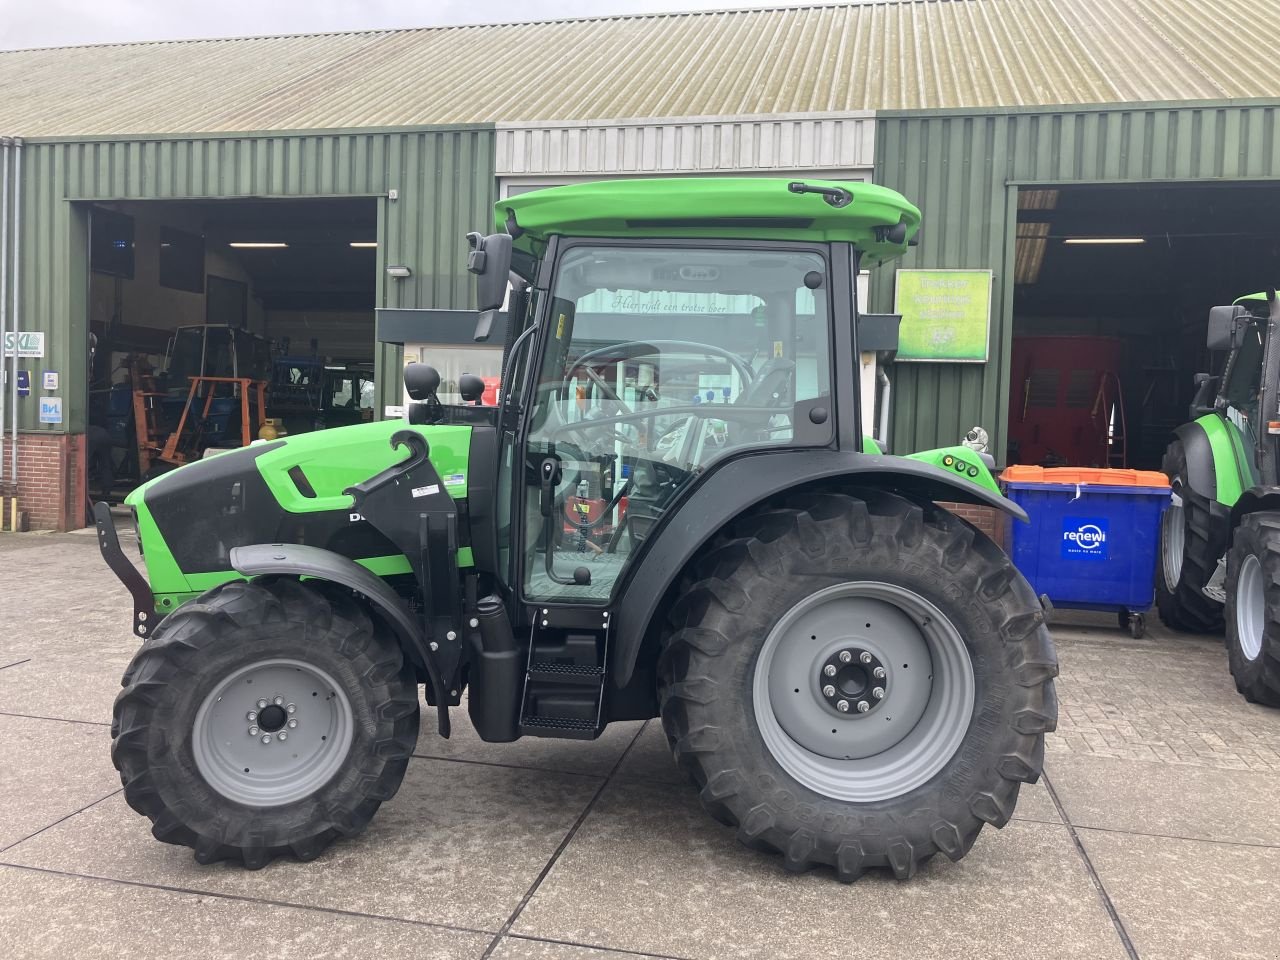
x=699, y=145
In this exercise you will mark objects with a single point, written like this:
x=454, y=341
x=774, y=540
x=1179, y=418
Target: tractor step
x=557, y=672
x=564, y=676
x=563, y=728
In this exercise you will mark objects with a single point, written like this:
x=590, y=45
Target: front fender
x=746, y=481
x=299, y=560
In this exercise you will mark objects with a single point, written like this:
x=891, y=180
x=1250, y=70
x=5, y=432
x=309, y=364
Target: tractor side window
x=659, y=363
x=1244, y=381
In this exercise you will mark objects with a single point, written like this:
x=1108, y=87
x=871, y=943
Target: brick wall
x=987, y=519
x=50, y=486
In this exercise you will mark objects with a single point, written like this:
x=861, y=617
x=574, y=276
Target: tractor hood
x=288, y=490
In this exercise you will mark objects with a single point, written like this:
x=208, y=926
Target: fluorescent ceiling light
x=1102, y=240
x=256, y=245
x=363, y=244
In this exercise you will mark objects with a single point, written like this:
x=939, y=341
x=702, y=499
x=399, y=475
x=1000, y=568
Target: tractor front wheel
x=1253, y=603
x=858, y=682
x=264, y=719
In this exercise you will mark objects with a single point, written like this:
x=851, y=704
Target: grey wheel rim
x=272, y=732
x=906, y=734
x=1173, y=539
x=1251, y=608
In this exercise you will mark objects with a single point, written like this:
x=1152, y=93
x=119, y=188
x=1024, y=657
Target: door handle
x=549, y=474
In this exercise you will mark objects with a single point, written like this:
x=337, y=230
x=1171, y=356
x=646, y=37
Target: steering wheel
x=630, y=349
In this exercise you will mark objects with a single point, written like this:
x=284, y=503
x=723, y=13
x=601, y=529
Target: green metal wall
x=962, y=168
x=443, y=177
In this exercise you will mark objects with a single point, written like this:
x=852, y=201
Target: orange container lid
x=1097, y=476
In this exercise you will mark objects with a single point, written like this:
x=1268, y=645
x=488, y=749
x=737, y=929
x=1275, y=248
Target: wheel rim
x=1173, y=536
x=272, y=733
x=905, y=735
x=1251, y=608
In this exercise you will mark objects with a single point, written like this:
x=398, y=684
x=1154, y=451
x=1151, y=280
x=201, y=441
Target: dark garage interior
x=1127, y=274
x=269, y=304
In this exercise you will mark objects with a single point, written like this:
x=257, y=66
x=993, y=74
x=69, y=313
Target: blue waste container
x=1094, y=536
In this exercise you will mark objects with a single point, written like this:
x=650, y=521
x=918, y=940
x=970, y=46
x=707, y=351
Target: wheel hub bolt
x=278, y=701
x=266, y=738
x=253, y=731
x=261, y=704
x=853, y=681
x=291, y=707
x=282, y=735
x=292, y=724
x=251, y=715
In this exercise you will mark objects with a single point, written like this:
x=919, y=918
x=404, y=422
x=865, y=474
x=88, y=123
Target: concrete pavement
x=1155, y=832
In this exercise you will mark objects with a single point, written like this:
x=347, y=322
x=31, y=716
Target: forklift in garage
x=1220, y=538
x=851, y=675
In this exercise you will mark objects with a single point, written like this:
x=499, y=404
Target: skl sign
x=29, y=343
x=1085, y=538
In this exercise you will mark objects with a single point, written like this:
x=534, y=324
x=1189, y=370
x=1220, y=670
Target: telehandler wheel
x=859, y=682
x=1253, y=604
x=264, y=719
x=1186, y=559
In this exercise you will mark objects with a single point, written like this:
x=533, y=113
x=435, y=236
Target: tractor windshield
x=659, y=362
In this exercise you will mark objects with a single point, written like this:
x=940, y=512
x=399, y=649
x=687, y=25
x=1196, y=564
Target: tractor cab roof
x=880, y=222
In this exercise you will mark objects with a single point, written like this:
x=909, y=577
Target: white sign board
x=30, y=343
x=50, y=409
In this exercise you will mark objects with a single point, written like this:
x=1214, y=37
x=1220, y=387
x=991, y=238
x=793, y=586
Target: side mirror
x=1227, y=326
x=421, y=381
x=490, y=261
x=471, y=387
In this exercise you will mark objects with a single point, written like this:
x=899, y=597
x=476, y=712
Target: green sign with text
x=946, y=314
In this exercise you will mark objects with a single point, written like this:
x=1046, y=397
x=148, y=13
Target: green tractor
x=671, y=512
x=1220, y=538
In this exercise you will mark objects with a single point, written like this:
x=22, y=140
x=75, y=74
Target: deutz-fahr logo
x=1084, y=538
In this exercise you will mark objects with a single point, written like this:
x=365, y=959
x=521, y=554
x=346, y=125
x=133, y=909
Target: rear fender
x=1218, y=467
x=742, y=483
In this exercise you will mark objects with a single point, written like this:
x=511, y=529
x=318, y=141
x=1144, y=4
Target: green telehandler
x=671, y=512
x=1220, y=538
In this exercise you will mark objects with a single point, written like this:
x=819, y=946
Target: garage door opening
x=1113, y=286
x=215, y=323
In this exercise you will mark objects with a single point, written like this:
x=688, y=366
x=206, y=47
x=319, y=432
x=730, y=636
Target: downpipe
x=17, y=306
x=6, y=147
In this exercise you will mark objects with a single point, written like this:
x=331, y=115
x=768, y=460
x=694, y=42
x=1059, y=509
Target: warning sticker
x=455, y=479
x=426, y=491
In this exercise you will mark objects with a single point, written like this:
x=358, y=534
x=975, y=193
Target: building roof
x=873, y=55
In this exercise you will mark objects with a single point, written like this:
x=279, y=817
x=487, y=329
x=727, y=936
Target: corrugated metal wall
x=687, y=146
x=443, y=177
x=960, y=167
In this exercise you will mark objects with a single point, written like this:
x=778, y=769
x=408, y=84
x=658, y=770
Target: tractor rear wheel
x=858, y=682
x=264, y=719
x=1186, y=559
x=1253, y=604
